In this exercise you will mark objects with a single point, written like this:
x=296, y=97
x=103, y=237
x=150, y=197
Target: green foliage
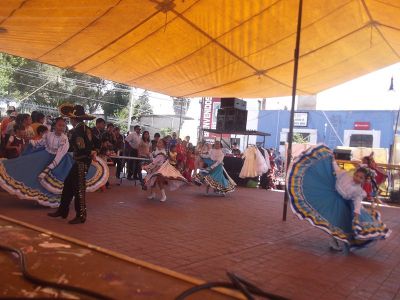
x=142, y=107
x=61, y=86
x=122, y=122
x=6, y=72
x=165, y=131
x=115, y=97
x=299, y=138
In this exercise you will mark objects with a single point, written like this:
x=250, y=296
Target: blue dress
x=311, y=186
x=216, y=178
x=29, y=176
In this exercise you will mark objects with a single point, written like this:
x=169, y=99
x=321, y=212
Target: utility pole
x=131, y=99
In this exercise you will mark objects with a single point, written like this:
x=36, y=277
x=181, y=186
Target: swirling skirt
x=313, y=197
x=20, y=176
x=217, y=178
x=166, y=172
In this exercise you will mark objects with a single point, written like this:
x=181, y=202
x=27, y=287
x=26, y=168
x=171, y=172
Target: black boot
x=77, y=220
x=58, y=213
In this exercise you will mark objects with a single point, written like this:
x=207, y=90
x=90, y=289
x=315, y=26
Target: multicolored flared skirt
x=169, y=174
x=313, y=197
x=216, y=178
x=27, y=176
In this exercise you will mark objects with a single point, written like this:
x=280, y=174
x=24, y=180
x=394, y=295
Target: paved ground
x=243, y=232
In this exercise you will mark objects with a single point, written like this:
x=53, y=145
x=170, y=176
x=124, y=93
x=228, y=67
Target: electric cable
x=43, y=282
x=237, y=283
x=68, y=94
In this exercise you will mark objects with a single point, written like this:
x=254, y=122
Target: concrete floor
x=243, y=232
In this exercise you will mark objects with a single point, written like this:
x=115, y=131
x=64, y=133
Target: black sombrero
x=74, y=112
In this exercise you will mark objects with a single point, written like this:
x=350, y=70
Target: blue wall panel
x=273, y=121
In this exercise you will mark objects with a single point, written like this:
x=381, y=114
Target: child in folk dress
x=16, y=142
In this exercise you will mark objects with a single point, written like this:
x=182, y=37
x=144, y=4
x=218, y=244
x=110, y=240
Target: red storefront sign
x=208, y=119
x=362, y=125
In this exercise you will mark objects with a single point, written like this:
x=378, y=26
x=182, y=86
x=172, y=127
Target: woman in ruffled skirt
x=40, y=172
x=213, y=174
x=313, y=184
x=161, y=173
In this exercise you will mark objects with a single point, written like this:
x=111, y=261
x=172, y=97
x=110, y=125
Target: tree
x=165, y=131
x=180, y=105
x=122, y=116
x=117, y=101
x=142, y=107
x=51, y=86
x=8, y=63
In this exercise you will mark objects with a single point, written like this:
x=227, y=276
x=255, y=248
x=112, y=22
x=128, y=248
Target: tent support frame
x=294, y=89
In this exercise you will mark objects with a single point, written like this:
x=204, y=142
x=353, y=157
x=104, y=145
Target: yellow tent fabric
x=241, y=48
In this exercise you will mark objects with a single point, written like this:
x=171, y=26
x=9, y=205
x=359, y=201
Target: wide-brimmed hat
x=74, y=112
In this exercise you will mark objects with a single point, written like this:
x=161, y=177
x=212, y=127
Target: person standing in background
x=12, y=114
x=97, y=133
x=37, y=120
x=119, y=148
x=133, y=139
x=16, y=142
x=155, y=141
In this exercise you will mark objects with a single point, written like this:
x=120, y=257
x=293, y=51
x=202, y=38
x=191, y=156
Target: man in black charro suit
x=81, y=143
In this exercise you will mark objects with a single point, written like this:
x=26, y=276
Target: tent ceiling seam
x=226, y=49
x=279, y=65
x=342, y=61
x=206, y=45
x=240, y=79
x=321, y=47
x=115, y=40
x=374, y=23
x=262, y=71
x=81, y=30
x=14, y=11
x=143, y=39
x=257, y=72
x=388, y=26
x=388, y=4
x=305, y=27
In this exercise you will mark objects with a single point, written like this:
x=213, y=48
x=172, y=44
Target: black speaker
x=342, y=154
x=231, y=119
x=233, y=103
x=395, y=196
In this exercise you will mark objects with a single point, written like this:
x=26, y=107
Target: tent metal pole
x=294, y=88
x=180, y=118
x=131, y=98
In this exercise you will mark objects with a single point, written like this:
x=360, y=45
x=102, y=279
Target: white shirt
x=133, y=140
x=217, y=156
x=348, y=189
x=54, y=144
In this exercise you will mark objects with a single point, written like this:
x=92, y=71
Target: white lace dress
x=254, y=163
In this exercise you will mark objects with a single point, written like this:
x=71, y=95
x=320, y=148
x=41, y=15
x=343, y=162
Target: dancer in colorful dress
x=214, y=174
x=40, y=172
x=316, y=188
x=43, y=160
x=160, y=173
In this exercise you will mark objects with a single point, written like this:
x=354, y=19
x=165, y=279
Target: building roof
x=246, y=132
